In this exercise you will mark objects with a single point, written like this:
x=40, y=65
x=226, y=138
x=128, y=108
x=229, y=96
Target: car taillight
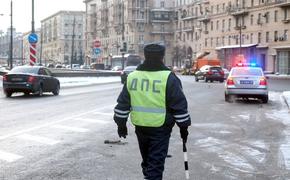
x=222, y=72
x=209, y=72
x=263, y=82
x=31, y=79
x=5, y=78
x=230, y=81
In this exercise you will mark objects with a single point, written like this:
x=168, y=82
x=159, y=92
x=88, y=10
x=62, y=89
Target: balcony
x=189, y=17
x=286, y=20
x=187, y=29
x=138, y=20
x=204, y=18
x=160, y=19
x=161, y=31
x=239, y=11
x=283, y=3
x=240, y=27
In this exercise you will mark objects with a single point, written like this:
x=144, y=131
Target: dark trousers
x=153, y=145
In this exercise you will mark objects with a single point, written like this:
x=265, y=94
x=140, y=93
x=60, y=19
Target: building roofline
x=60, y=12
x=87, y=1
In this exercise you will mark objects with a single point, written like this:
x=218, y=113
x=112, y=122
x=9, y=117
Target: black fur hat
x=154, y=52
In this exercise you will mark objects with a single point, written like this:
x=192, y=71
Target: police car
x=246, y=81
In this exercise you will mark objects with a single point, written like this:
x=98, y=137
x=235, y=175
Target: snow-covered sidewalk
x=85, y=81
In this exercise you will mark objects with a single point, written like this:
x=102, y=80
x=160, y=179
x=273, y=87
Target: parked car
x=246, y=82
x=210, y=73
x=59, y=66
x=85, y=67
x=30, y=79
x=126, y=72
x=50, y=65
x=117, y=68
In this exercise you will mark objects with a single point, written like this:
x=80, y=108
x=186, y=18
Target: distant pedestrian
x=154, y=98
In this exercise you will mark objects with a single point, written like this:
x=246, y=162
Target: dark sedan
x=30, y=79
x=210, y=73
x=126, y=72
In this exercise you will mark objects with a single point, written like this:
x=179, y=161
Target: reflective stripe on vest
x=148, y=97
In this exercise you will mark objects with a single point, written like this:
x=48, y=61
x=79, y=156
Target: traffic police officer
x=154, y=99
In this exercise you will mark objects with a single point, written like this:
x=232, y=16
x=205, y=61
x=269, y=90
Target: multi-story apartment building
x=63, y=37
x=135, y=22
x=258, y=29
x=5, y=46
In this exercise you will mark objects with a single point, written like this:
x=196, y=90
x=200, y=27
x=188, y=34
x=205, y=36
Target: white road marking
x=38, y=139
x=106, y=114
x=69, y=128
x=9, y=157
x=97, y=121
x=51, y=123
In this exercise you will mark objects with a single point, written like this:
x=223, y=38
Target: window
x=162, y=4
x=259, y=19
x=275, y=36
x=230, y=24
x=276, y=16
x=259, y=37
x=211, y=42
x=252, y=19
x=285, y=13
x=267, y=37
x=211, y=25
x=218, y=8
x=252, y=3
x=251, y=38
x=217, y=25
x=286, y=35
x=266, y=15
x=205, y=42
x=223, y=25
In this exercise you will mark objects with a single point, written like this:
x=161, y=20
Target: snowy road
x=62, y=137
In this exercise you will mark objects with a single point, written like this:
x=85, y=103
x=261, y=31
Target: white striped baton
x=185, y=161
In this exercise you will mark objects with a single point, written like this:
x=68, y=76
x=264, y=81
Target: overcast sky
x=43, y=8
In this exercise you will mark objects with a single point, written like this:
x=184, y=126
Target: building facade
x=136, y=22
x=63, y=38
x=17, y=56
x=258, y=29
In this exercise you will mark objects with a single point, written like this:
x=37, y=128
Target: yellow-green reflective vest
x=148, y=97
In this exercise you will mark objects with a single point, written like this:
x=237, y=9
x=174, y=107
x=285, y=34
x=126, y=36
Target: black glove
x=183, y=133
x=122, y=131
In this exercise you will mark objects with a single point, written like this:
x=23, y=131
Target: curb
x=279, y=77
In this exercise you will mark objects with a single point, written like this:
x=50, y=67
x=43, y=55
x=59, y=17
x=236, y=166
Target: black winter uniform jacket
x=176, y=104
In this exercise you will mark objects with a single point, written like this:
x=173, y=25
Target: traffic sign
x=32, y=38
x=98, y=51
x=97, y=43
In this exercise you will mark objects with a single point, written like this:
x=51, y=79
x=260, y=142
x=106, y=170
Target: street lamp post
x=73, y=42
x=10, y=61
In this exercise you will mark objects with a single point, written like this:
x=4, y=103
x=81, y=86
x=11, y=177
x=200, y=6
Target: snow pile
x=84, y=81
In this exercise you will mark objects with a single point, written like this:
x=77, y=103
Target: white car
x=246, y=82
